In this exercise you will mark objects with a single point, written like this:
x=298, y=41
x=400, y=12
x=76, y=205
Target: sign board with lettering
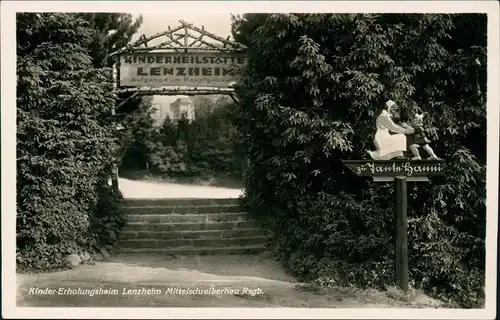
x=396, y=168
x=192, y=69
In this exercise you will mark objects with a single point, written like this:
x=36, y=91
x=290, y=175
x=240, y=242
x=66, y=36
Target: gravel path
x=242, y=281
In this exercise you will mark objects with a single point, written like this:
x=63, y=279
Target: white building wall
x=164, y=108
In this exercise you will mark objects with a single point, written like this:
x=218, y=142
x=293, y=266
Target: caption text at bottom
x=145, y=291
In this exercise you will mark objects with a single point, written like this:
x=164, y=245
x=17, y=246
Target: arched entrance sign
x=191, y=61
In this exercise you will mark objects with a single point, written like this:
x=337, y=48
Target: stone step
x=199, y=251
x=184, y=226
x=190, y=234
x=181, y=209
x=191, y=243
x=179, y=202
x=189, y=226
x=189, y=217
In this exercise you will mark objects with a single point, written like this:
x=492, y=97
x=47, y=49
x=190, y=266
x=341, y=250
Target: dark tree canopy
x=113, y=31
x=309, y=98
x=243, y=26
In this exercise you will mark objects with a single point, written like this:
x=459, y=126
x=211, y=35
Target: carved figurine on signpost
x=390, y=139
x=390, y=164
x=419, y=140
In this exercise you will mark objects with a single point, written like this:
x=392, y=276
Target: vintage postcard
x=261, y=159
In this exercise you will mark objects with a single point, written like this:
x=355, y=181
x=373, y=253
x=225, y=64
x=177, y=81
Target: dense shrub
x=64, y=141
x=212, y=143
x=107, y=218
x=309, y=98
x=137, y=136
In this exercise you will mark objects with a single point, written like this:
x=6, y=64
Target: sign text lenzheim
x=180, y=69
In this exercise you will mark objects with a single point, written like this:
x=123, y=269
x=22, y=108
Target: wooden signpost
x=400, y=171
x=389, y=163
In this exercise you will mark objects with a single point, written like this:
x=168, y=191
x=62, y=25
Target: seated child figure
x=418, y=139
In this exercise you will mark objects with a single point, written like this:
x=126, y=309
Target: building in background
x=164, y=106
x=182, y=106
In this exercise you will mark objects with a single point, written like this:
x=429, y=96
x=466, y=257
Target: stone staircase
x=189, y=226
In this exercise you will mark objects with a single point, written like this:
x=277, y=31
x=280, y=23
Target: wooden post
x=116, y=84
x=401, y=254
x=399, y=171
x=114, y=175
x=186, y=37
x=114, y=179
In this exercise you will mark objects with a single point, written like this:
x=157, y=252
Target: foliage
x=64, y=141
x=309, y=97
x=205, y=105
x=113, y=31
x=243, y=26
x=203, y=147
x=107, y=219
x=136, y=135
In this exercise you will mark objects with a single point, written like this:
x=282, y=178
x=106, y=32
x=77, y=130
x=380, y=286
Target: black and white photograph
x=219, y=159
